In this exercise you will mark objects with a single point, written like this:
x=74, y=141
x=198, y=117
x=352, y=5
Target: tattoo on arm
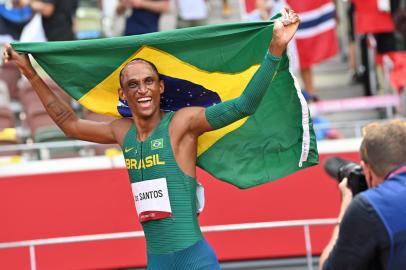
x=58, y=112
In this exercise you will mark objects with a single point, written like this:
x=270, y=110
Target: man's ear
x=161, y=86
x=370, y=175
x=367, y=171
x=121, y=93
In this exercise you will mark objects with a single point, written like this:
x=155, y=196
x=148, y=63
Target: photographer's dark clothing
x=361, y=240
x=59, y=26
x=364, y=240
x=142, y=21
x=12, y=21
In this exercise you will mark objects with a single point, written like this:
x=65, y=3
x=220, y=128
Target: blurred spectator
x=323, y=129
x=144, y=17
x=13, y=18
x=266, y=9
x=316, y=37
x=191, y=13
x=4, y=94
x=306, y=74
x=352, y=46
x=374, y=18
x=399, y=17
x=226, y=9
x=57, y=17
x=113, y=24
x=263, y=10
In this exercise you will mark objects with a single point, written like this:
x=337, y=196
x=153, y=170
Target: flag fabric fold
x=200, y=66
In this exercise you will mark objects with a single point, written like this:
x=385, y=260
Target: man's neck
x=145, y=126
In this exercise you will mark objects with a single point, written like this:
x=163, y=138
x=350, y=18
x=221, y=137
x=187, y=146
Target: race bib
x=152, y=199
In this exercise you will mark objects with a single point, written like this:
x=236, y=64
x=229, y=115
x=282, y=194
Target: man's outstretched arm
x=225, y=113
x=58, y=110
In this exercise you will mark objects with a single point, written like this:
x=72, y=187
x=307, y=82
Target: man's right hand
x=346, y=192
x=21, y=60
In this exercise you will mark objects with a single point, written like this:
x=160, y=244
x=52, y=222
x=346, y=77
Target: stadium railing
x=31, y=244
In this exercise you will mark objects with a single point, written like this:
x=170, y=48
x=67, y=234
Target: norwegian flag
x=316, y=38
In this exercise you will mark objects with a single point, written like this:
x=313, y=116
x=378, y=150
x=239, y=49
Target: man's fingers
x=9, y=52
x=6, y=54
x=296, y=18
x=285, y=12
x=289, y=16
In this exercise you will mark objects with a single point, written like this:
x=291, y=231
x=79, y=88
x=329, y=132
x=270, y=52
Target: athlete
x=160, y=148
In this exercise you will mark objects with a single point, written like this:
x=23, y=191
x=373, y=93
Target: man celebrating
x=371, y=233
x=160, y=148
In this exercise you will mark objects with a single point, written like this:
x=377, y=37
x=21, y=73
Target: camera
x=339, y=169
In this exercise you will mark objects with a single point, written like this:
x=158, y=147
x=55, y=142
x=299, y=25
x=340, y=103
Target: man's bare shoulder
x=120, y=128
x=191, y=120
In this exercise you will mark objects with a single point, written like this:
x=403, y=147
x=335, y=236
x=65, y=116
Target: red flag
x=316, y=37
x=369, y=19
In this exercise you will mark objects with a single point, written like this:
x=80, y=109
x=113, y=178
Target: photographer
x=371, y=233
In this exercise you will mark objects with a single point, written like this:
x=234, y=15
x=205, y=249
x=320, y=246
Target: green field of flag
x=201, y=66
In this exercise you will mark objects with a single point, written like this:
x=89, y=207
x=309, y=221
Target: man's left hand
x=283, y=31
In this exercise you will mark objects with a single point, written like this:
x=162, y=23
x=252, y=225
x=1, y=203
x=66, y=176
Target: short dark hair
x=383, y=147
x=138, y=60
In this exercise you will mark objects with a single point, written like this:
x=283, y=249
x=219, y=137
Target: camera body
x=339, y=169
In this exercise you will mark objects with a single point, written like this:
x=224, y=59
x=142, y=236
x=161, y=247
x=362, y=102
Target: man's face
x=142, y=89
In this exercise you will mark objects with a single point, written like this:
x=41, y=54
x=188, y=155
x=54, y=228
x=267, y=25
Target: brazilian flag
x=200, y=66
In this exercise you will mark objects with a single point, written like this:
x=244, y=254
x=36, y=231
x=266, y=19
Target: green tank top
x=154, y=159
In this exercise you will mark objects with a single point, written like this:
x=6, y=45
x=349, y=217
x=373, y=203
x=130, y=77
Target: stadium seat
x=10, y=74
x=37, y=118
x=49, y=133
x=88, y=22
x=27, y=93
x=41, y=126
x=89, y=115
x=54, y=87
x=100, y=149
x=8, y=134
x=4, y=94
x=44, y=130
x=7, y=118
x=42, y=120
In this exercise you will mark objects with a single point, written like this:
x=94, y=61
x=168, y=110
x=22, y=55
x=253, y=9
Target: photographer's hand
x=346, y=197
